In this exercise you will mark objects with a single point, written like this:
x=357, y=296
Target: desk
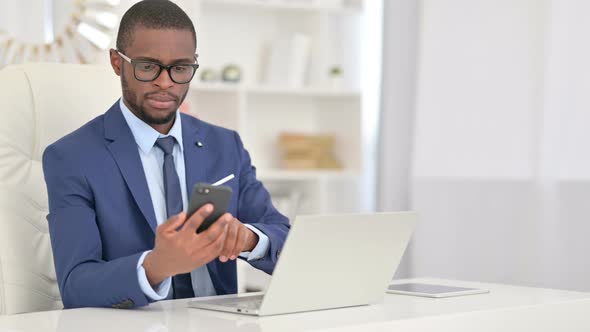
x=505, y=308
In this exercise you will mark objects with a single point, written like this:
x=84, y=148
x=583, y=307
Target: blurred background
x=475, y=113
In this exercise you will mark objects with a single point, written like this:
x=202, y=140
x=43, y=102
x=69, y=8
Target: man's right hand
x=181, y=251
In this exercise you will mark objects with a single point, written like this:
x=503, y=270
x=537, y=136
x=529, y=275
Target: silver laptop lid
x=335, y=261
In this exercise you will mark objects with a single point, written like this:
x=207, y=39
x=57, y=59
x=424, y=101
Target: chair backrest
x=39, y=103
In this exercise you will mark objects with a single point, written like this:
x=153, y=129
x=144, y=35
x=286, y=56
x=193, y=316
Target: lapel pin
x=199, y=144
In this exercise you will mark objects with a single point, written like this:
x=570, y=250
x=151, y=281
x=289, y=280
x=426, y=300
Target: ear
x=115, y=61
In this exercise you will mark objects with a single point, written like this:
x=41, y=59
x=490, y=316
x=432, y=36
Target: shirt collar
x=146, y=136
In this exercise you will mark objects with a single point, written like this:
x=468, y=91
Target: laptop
x=328, y=261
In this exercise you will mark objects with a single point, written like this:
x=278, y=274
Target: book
x=288, y=61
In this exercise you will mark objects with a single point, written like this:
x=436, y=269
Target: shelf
x=216, y=87
x=276, y=91
x=311, y=92
x=292, y=6
x=302, y=175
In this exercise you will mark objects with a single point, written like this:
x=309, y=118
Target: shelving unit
x=260, y=114
x=238, y=32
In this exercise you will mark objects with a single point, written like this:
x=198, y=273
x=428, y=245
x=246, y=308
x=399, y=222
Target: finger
x=173, y=223
x=230, y=240
x=240, y=243
x=217, y=227
x=195, y=221
x=202, y=240
x=214, y=248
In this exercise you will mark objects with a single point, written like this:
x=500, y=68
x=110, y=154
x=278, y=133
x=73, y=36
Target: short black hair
x=152, y=14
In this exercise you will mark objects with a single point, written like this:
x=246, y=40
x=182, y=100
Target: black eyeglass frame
x=161, y=67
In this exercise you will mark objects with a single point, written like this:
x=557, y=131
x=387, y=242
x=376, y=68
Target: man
x=117, y=186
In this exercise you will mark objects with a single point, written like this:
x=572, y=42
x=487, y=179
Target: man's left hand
x=239, y=239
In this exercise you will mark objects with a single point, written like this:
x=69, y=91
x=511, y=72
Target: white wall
x=501, y=159
x=24, y=19
x=397, y=104
x=400, y=26
x=479, y=78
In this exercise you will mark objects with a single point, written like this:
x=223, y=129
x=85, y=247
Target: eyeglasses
x=147, y=71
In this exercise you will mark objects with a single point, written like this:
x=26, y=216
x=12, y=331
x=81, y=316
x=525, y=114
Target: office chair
x=39, y=103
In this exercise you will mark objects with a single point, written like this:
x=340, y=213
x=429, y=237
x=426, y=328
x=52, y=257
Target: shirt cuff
x=261, y=248
x=161, y=291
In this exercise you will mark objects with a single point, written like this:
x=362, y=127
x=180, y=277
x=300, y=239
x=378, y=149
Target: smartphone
x=218, y=196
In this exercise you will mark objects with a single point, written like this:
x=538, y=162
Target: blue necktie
x=181, y=283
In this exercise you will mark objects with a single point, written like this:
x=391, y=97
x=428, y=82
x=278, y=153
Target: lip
x=161, y=101
x=161, y=104
x=161, y=97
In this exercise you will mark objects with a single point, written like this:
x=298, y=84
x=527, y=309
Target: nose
x=164, y=81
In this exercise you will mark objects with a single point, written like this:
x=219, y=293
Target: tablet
x=431, y=290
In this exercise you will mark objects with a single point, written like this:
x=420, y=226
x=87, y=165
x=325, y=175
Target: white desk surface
x=505, y=308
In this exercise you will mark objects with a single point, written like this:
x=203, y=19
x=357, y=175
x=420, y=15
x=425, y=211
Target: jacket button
x=127, y=304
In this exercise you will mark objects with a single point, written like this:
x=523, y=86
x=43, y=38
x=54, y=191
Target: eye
x=146, y=66
x=179, y=69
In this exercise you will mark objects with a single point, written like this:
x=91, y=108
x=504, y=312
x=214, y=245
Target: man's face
x=155, y=102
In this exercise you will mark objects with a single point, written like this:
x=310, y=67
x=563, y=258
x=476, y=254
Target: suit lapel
x=195, y=157
x=124, y=150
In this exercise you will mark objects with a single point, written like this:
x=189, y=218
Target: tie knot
x=166, y=144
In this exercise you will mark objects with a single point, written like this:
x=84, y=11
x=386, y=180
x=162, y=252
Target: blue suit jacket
x=101, y=217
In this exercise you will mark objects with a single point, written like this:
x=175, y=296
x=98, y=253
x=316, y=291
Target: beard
x=139, y=109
